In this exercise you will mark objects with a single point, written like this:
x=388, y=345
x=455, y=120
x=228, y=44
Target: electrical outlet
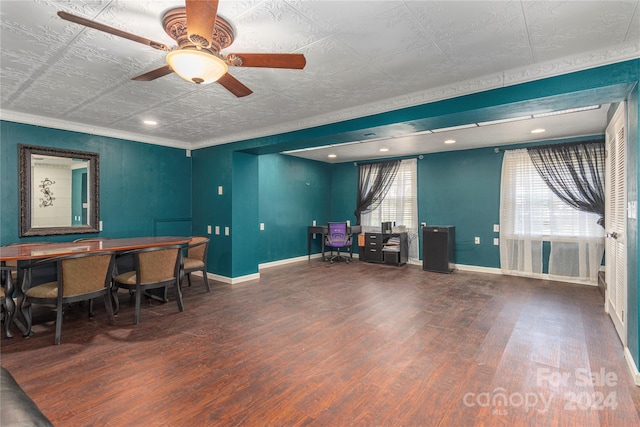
x=217, y=229
x=208, y=229
x=476, y=240
x=496, y=228
x=262, y=226
x=496, y=241
x=220, y=190
x=226, y=231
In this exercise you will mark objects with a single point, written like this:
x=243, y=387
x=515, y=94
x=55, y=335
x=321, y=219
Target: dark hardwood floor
x=324, y=344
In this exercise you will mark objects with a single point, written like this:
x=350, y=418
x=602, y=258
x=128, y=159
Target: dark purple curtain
x=574, y=172
x=374, y=180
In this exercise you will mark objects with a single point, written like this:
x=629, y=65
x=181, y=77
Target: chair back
x=85, y=274
x=198, y=248
x=158, y=264
x=337, y=235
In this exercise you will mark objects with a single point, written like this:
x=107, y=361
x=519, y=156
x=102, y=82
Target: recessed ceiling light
x=150, y=122
x=450, y=141
x=539, y=130
x=332, y=156
x=384, y=149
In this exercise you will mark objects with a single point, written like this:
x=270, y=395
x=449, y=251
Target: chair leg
x=114, y=298
x=58, y=324
x=107, y=304
x=136, y=316
x=189, y=279
x=91, y=308
x=206, y=280
x=179, y=296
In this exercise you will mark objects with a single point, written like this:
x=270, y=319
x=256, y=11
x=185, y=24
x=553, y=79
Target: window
x=531, y=213
x=400, y=205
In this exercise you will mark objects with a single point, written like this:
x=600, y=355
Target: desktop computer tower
x=438, y=248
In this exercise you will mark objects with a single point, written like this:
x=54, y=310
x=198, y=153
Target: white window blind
x=400, y=205
x=531, y=213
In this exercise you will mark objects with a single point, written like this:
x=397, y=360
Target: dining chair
x=196, y=259
x=7, y=306
x=80, y=277
x=337, y=237
x=155, y=267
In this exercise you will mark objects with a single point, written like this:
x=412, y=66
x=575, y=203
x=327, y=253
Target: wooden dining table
x=23, y=253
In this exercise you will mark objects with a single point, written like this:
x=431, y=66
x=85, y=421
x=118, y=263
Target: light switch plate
x=496, y=241
x=476, y=240
x=262, y=226
x=496, y=228
x=208, y=229
x=226, y=231
x=217, y=229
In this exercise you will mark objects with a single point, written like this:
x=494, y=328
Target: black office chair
x=338, y=237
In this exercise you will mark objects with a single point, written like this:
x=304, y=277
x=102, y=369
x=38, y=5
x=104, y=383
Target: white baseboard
x=229, y=280
x=418, y=262
x=477, y=269
x=287, y=261
x=632, y=366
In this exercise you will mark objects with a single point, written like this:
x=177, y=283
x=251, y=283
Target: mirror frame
x=25, y=186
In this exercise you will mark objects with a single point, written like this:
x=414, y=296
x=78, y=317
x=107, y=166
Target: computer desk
x=323, y=230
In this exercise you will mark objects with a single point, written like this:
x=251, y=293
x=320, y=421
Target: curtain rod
x=589, y=141
x=420, y=157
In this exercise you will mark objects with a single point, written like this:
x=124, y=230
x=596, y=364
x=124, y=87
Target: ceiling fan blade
x=153, y=74
x=234, y=86
x=295, y=61
x=116, y=32
x=201, y=19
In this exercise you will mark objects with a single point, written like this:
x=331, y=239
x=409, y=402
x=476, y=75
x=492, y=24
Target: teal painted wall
x=244, y=227
x=212, y=167
x=293, y=192
x=344, y=193
x=139, y=183
x=462, y=188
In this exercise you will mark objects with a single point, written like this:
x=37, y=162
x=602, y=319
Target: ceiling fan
x=201, y=35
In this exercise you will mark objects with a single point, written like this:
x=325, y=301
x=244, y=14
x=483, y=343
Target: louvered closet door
x=615, y=223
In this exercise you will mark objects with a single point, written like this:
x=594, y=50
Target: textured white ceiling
x=363, y=57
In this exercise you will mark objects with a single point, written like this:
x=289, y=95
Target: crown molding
x=30, y=119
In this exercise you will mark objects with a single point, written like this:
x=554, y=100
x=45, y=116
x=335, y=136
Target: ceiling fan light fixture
x=196, y=66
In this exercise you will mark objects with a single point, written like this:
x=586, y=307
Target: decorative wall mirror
x=59, y=191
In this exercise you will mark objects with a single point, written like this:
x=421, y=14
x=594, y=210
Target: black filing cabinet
x=373, y=243
x=439, y=248
x=388, y=248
